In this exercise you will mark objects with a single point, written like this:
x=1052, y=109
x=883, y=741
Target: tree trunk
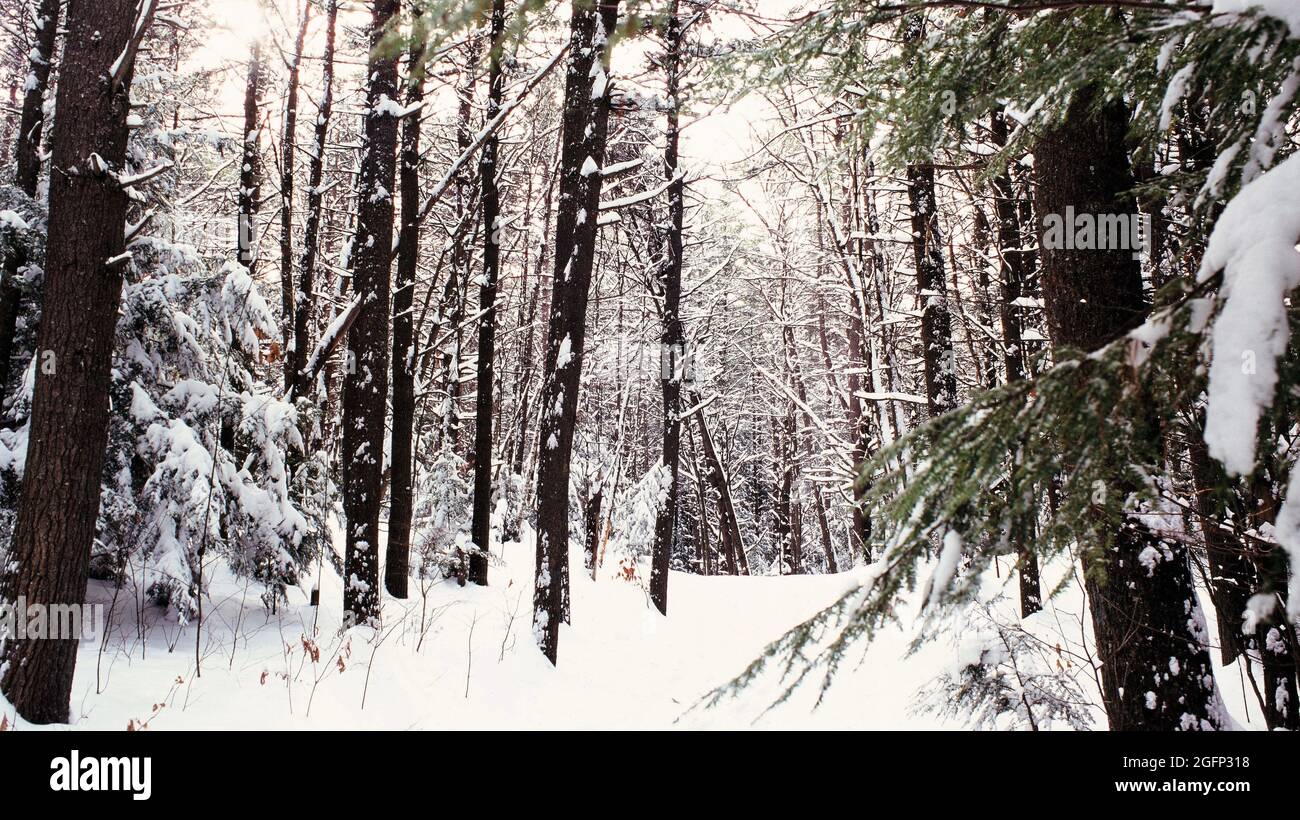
x=288, y=157
x=931, y=286
x=27, y=154
x=250, y=169
x=398, y=555
x=936, y=322
x=674, y=351
x=365, y=383
x=1155, y=671
x=304, y=309
x=481, y=528
x=59, y=503
x=1012, y=275
x=733, y=546
x=585, y=121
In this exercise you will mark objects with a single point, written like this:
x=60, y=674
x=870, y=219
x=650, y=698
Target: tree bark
x=27, y=154
x=674, y=351
x=585, y=121
x=1012, y=275
x=932, y=290
x=305, y=301
x=400, y=508
x=288, y=157
x=59, y=503
x=1155, y=671
x=481, y=525
x=365, y=383
x=250, y=170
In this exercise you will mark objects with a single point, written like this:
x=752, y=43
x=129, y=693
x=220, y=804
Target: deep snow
x=621, y=665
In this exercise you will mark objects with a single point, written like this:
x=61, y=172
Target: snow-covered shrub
x=1006, y=677
x=632, y=528
x=441, y=521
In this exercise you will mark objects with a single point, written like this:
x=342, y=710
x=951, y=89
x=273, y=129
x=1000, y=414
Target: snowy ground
x=456, y=658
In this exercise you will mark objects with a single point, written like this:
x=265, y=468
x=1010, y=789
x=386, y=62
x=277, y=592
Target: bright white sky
x=712, y=143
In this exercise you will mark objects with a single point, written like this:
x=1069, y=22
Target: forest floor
x=452, y=657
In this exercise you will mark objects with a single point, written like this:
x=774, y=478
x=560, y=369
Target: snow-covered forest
x=649, y=363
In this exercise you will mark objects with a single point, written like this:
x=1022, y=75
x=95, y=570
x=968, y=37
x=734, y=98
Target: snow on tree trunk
x=365, y=381
x=397, y=565
x=585, y=121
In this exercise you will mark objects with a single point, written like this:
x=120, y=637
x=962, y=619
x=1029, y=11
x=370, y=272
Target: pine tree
x=1093, y=297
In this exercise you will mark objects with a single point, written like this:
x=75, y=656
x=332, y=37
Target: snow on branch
x=644, y=196
x=476, y=144
x=126, y=59
x=1254, y=245
x=146, y=175
x=329, y=341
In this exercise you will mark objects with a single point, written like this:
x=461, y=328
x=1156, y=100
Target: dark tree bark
x=1155, y=672
x=1012, y=276
x=585, y=121
x=27, y=154
x=733, y=546
x=305, y=301
x=288, y=157
x=365, y=383
x=398, y=559
x=932, y=289
x=674, y=351
x=481, y=526
x=31, y=123
x=249, y=195
x=50, y=549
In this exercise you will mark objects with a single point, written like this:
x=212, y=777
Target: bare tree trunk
x=733, y=545
x=50, y=549
x=304, y=309
x=365, y=383
x=27, y=154
x=481, y=527
x=1012, y=275
x=398, y=556
x=936, y=321
x=673, y=351
x=288, y=158
x=931, y=285
x=585, y=121
x=250, y=169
